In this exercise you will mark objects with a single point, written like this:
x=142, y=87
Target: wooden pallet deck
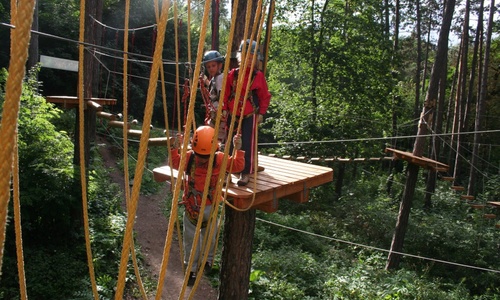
x=72, y=101
x=281, y=178
x=421, y=161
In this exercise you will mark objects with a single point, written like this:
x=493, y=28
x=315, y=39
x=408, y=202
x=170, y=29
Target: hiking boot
x=208, y=268
x=191, y=279
x=244, y=178
x=260, y=168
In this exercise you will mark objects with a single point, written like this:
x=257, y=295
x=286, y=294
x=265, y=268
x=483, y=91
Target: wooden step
x=457, y=188
x=477, y=206
x=497, y=225
x=490, y=216
x=467, y=197
x=448, y=178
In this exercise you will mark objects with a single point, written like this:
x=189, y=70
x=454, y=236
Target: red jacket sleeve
x=176, y=158
x=262, y=92
x=238, y=161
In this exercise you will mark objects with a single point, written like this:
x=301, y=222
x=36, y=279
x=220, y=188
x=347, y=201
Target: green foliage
x=45, y=163
x=341, y=258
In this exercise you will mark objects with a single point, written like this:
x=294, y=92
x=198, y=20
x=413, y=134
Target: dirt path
x=151, y=229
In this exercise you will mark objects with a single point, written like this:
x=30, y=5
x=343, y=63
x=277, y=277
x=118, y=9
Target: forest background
x=345, y=84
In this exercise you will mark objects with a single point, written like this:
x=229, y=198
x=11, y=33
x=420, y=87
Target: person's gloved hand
x=178, y=141
x=237, y=141
x=260, y=119
x=224, y=115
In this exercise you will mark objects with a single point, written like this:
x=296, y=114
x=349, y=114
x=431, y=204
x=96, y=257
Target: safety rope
x=83, y=177
x=125, y=140
x=243, y=66
x=17, y=223
x=148, y=112
x=19, y=50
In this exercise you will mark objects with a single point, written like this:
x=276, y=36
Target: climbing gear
x=192, y=198
x=202, y=140
x=251, y=44
x=250, y=96
x=213, y=55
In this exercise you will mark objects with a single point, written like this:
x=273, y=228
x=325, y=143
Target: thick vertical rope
x=239, y=86
x=125, y=140
x=178, y=184
x=19, y=54
x=17, y=222
x=143, y=147
x=83, y=179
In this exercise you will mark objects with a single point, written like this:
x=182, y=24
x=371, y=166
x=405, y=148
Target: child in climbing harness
x=256, y=104
x=194, y=180
x=213, y=62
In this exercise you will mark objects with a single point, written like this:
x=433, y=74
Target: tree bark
x=461, y=93
x=236, y=257
x=439, y=67
x=479, y=104
x=236, y=254
x=33, y=48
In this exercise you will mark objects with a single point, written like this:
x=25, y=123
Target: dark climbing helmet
x=251, y=44
x=212, y=55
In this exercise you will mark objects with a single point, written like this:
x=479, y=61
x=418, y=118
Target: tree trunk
x=436, y=141
x=33, y=48
x=215, y=24
x=394, y=257
x=461, y=93
x=236, y=257
x=479, y=104
x=236, y=254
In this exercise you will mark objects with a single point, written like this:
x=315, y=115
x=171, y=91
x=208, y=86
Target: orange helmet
x=202, y=140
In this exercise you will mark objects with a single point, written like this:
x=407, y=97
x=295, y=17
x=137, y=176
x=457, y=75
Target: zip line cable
x=376, y=138
x=379, y=249
x=85, y=43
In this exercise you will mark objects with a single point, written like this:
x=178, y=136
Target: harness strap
x=250, y=96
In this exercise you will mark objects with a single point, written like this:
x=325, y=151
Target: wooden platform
x=421, y=161
x=281, y=178
x=72, y=101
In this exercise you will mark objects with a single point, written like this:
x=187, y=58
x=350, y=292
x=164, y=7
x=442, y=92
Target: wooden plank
x=421, y=161
x=457, y=188
x=280, y=179
x=106, y=115
x=489, y=216
x=94, y=105
x=477, y=206
x=448, y=178
x=494, y=203
x=467, y=197
x=72, y=101
x=134, y=132
x=161, y=141
x=118, y=124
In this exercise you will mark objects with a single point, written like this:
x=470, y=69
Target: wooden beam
x=118, y=124
x=106, y=115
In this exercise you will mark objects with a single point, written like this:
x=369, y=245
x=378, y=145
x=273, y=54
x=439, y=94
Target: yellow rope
x=143, y=147
x=19, y=50
x=238, y=92
x=189, y=122
x=83, y=177
x=17, y=222
x=125, y=142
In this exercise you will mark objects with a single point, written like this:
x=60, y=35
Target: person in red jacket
x=194, y=182
x=257, y=102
